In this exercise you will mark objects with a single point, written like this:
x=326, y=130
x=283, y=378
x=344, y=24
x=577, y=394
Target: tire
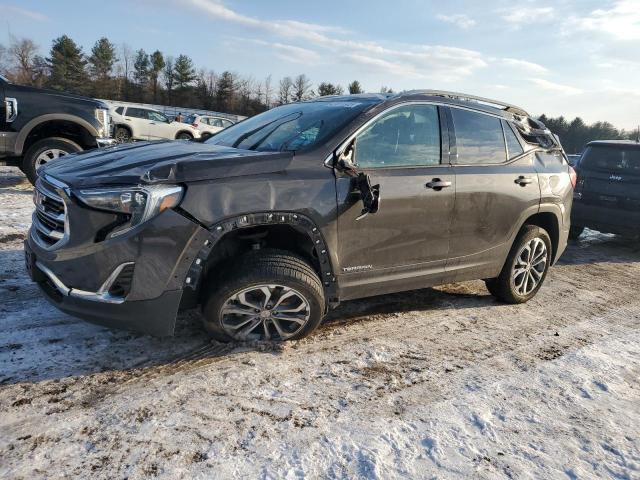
x=205, y=136
x=52, y=148
x=289, y=274
x=184, y=136
x=575, y=232
x=513, y=289
x=122, y=135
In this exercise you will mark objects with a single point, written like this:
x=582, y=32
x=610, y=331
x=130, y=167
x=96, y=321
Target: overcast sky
x=571, y=57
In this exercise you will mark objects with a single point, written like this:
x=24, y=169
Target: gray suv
x=278, y=218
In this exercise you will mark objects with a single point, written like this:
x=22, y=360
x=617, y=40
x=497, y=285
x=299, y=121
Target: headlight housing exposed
x=139, y=204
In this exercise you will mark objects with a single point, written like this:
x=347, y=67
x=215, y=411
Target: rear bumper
x=604, y=219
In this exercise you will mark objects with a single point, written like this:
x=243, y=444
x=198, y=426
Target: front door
x=496, y=186
x=405, y=244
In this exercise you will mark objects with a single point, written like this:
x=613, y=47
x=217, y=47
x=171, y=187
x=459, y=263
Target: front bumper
x=85, y=278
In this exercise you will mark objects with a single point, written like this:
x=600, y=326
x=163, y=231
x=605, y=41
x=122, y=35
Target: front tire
x=45, y=151
x=267, y=295
x=526, y=267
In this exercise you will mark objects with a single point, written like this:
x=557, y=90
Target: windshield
x=609, y=159
x=297, y=126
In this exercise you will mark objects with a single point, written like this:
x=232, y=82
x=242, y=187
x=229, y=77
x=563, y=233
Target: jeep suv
x=282, y=216
x=607, y=197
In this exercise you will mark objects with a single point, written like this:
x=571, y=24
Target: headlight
x=102, y=116
x=139, y=204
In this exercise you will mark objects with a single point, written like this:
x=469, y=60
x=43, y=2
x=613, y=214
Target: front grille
x=50, y=216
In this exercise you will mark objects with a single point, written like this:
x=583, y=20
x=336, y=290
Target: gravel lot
x=436, y=383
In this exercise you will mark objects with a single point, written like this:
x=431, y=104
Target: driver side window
x=407, y=136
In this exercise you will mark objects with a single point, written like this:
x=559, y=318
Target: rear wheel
x=184, y=136
x=575, y=232
x=526, y=267
x=45, y=151
x=122, y=135
x=268, y=295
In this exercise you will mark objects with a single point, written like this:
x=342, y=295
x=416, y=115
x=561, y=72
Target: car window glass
x=514, y=148
x=216, y=122
x=405, y=136
x=156, y=116
x=226, y=123
x=611, y=159
x=479, y=138
x=120, y=110
x=137, y=113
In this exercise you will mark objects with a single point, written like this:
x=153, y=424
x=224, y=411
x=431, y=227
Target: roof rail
x=463, y=96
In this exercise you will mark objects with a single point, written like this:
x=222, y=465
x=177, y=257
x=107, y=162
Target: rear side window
x=137, y=113
x=479, y=138
x=405, y=136
x=611, y=159
x=514, y=148
x=226, y=123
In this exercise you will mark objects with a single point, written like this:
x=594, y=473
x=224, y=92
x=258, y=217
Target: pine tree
x=355, y=88
x=67, y=65
x=157, y=65
x=326, y=88
x=225, y=90
x=101, y=62
x=185, y=73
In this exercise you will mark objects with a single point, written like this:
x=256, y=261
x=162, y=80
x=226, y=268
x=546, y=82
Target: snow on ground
x=436, y=383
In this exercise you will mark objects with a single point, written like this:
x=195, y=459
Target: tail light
x=573, y=175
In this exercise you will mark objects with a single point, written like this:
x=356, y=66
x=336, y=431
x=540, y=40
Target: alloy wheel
x=529, y=266
x=265, y=312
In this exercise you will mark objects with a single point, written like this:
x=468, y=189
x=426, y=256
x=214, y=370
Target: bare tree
x=22, y=53
x=302, y=88
x=286, y=90
x=126, y=61
x=3, y=60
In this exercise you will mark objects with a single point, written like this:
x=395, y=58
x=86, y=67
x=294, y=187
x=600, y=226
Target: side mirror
x=369, y=194
x=346, y=159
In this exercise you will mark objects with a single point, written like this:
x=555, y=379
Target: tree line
x=121, y=73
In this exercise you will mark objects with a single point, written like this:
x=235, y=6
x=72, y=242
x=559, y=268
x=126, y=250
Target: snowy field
x=437, y=383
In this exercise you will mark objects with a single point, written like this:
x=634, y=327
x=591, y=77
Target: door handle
x=437, y=184
x=523, y=181
x=128, y=119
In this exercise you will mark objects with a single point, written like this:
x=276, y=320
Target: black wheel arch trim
x=296, y=220
x=51, y=117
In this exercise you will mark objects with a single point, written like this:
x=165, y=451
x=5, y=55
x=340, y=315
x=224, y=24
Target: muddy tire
x=575, y=232
x=526, y=267
x=266, y=295
x=44, y=151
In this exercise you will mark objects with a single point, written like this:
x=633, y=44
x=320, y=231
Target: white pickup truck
x=137, y=123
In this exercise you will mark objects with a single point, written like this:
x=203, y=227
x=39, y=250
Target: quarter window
x=120, y=110
x=479, y=138
x=514, y=148
x=405, y=136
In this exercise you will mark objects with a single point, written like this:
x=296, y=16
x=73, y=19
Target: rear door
x=495, y=187
x=406, y=243
x=139, y=121
x=609, y=177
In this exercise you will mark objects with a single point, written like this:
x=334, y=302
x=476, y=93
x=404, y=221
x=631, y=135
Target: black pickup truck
x=38, y=125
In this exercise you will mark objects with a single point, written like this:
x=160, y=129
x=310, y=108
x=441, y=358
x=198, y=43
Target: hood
x=162, y=162
x=61, y=96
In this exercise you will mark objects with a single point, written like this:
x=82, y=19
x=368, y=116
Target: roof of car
x=460, y=99
x=614, y=143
